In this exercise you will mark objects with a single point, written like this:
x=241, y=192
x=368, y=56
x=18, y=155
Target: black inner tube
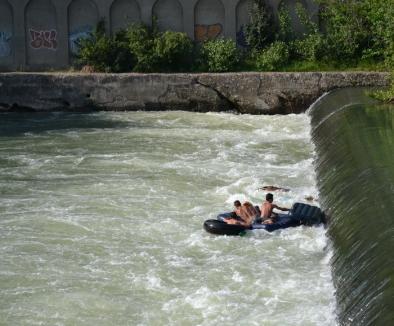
x=219, y=227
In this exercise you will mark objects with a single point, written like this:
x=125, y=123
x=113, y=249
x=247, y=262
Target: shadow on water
x=20, y=123
x=354, y=138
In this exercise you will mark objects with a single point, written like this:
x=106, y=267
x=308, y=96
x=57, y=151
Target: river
x=101, y=221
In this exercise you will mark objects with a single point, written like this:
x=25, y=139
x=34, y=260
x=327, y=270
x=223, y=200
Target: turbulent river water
x=101, y=221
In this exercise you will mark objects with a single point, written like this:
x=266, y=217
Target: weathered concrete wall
x=6, y=34
x=39, y=35
x=169, y=14
x=124, y=13
x=255, y=93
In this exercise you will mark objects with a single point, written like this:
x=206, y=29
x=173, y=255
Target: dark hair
x=269, y=196
x=237, y=203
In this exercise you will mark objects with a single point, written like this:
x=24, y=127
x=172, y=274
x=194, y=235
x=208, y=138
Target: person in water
x=274, y=188
x=237, y=209
x=267, y=214
x=247, y=213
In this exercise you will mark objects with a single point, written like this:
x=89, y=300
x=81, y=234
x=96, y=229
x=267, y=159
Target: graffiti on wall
x=5, y=46
x=43, y=39
x=78, y=34
x=207, y=32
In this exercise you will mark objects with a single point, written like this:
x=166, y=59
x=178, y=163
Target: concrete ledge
x=254, y=93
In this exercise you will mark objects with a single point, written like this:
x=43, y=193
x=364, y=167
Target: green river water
x=354, y=138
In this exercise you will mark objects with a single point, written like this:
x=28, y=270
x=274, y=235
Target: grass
x=304, y=66
x=248, y=64
x=386, y=95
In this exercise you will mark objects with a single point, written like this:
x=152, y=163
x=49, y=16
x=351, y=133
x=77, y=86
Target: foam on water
x=101, y=221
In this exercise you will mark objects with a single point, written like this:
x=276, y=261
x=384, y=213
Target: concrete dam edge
x=244, y=92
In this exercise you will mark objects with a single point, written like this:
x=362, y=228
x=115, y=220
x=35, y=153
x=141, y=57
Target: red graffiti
x=207, y=32
x=43, y=39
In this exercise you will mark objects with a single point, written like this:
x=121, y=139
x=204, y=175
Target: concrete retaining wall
x=254, y=93
x=39, y=35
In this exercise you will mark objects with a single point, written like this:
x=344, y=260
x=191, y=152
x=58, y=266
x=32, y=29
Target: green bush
x=386, y=95
x=310, y=49
x=260, y=31
x=356, y=33
x=273, y=58
x=220, y=55
x=159, y=52
x=285, y=32
x=123, y=60
x=310, y=26
x=173, y=51
x=103, y=53
x=379, y=17
x=141, y=43
x=310, y=46
x=345, y=30
x=359, y=30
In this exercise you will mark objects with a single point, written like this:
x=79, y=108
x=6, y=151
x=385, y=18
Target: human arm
x=237, y=222
x=281, y=208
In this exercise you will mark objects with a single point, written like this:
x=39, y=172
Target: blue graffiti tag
x=77, y=34
x=5, y=47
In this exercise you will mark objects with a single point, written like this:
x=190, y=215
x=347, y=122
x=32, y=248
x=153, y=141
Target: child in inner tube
x=245, y=214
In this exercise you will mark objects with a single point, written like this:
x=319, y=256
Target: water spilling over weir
x=354, y=139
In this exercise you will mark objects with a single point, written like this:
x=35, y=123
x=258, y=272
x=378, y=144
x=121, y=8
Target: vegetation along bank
x=347, y=35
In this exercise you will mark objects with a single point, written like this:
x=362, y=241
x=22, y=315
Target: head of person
x=269, y=197
x=237, y=204
x=248, y=204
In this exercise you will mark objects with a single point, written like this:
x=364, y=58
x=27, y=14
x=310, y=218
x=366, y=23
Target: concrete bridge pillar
x=188, y=17
x=104, y=8
x=230, y=19
x=146, y=11
x=19, y=33
x=62, y=32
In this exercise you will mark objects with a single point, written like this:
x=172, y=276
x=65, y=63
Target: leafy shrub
x=309, y=25
x=173, y=51
x=103, y=53
x=311, y=48
x=273, y=58
x=379, y=17
x=259, y=32
x=386, y=95
x=141, y=43
x=346, y=29
x=123, y=59
x=389, y=56
x=155, y=51
x=220, y=55
x=285, y=31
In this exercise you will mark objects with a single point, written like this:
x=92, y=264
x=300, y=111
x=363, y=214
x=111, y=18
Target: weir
x=354, y=139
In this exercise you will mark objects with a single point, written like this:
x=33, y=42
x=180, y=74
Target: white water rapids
x=101, y=221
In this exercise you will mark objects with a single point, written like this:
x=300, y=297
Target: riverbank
x=253, y=93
